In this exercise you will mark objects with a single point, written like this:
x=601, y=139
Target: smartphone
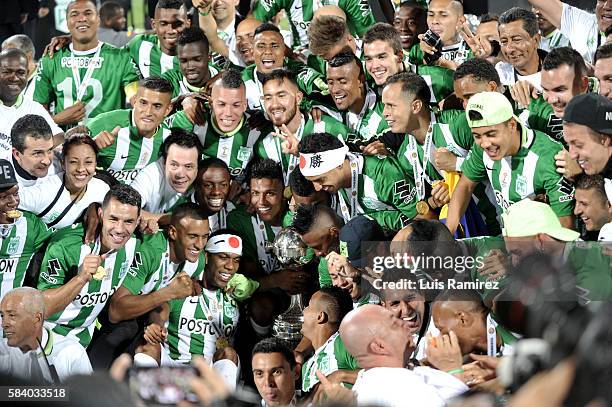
x=162, y=386
x=433, y=40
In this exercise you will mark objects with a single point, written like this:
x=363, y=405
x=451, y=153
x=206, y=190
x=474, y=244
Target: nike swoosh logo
x=123, y=157
x=149, y=64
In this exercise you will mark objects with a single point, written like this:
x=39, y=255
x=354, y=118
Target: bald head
x=376, y=337
x=248, y=24
x=454, y=6
x=329, y=11
x=360, y=327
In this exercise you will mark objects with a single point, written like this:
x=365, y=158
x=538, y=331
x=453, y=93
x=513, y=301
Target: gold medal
x=221, y=343
x=100, y=273
x=287, y=193
x=422, y=207
x=14, y=214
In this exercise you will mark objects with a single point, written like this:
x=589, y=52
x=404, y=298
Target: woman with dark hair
x=61, y=199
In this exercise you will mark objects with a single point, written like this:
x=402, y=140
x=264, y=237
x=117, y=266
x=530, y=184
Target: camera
x=543, y=303
x=433, y=40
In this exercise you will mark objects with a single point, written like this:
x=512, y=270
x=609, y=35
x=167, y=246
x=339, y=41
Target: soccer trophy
x=290, y=251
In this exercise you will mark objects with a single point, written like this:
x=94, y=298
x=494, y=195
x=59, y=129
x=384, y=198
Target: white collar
x=86, y=52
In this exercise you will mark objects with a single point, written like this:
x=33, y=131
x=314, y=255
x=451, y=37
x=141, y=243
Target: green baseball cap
x=528, y=218
x=494, y=108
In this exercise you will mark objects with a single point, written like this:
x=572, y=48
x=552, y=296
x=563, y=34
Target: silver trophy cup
x=290, y=251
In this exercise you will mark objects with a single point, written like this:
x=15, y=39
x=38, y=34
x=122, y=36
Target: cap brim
x=8, y=185
x=564, y=234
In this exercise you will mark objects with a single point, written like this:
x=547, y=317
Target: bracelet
x=203, y=14
x=455, y=371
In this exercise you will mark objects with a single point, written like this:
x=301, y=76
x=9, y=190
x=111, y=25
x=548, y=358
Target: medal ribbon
x=348, y=213
x=81, y=86
x=491, y=336
x=419, y=170
x=261, y=245
x=218, y=307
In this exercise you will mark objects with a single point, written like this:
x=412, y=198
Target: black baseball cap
x=360, y=229
x=591, y=110
x=7, y=175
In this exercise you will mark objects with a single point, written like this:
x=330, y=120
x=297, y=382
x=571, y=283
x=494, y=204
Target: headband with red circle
x=225, y=243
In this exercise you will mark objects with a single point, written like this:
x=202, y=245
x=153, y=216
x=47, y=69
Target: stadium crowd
x=449, y=176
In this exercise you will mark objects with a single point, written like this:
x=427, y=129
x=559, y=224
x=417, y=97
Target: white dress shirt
x=65, y=357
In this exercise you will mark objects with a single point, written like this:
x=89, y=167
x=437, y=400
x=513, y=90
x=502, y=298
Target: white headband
x=224, y=244
x=315, y=164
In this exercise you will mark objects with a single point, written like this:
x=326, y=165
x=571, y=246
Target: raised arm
x=209, y=26
x=125, y=305
x=551, y=10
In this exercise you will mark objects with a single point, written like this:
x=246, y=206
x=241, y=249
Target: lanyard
x=81, y=86
x=293, y=160
x=46, y=351
x=491, y=336
x=261, y=237
x=355, y=121
x=419, y=170
x=217, y=308
x=348, y=213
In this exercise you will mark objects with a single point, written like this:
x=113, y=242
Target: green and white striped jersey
x=554, y=40
x=270, y=146
x=180, y=86
x=541, y=116
x=234, y=148
x=370, y=122
x=255, y=234
x=530, y=172
x=300, y=13
x=152, y=268
x=582, y=28
x=196, y=322
x=96, y=77
x=380, y=189
x=19, y=241
x=130, y=153
x=151, y=61
x=451, y=131
x=330, y=357
x=310, y=82
x=443, y=133
x=61, y=263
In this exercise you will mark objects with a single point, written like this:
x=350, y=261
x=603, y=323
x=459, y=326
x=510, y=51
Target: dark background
x=499, y=6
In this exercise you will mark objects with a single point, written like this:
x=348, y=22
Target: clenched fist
x=181, y=286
